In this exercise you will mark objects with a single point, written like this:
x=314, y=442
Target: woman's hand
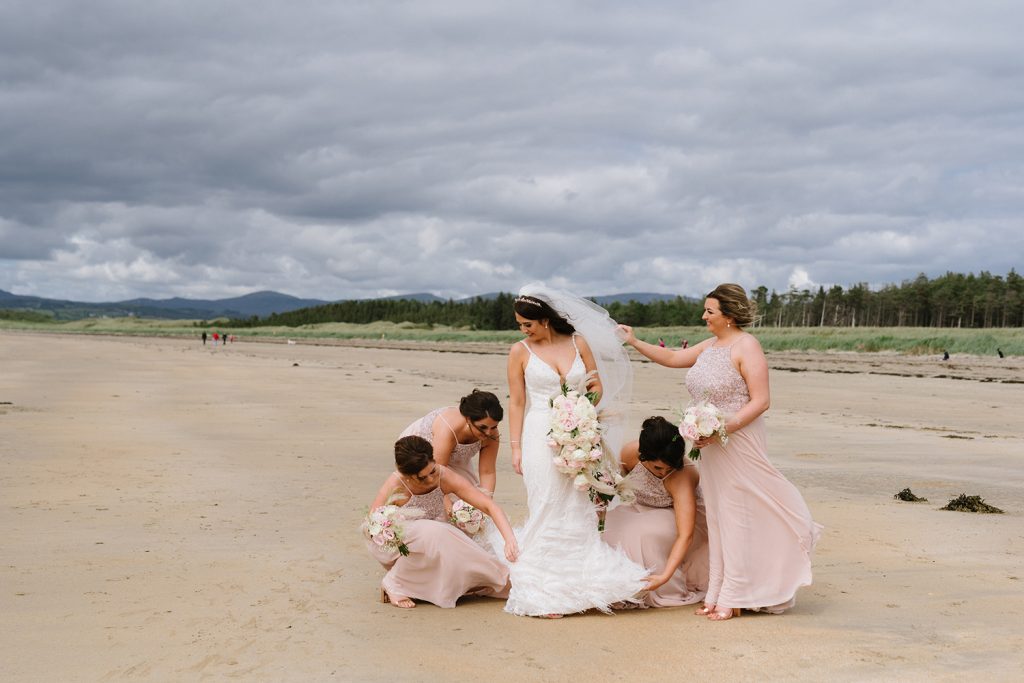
x=517, y=460
x=706, y=441
x=511, y=550
x=656, y=582
x=625, y=333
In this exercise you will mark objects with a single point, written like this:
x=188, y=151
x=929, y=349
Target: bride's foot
x=404, y=603
x=723, y=615
x=703, y=611
x=551, y=616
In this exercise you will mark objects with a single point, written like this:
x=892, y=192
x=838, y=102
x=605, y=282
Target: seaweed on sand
x=908, y=495
x=965, y=503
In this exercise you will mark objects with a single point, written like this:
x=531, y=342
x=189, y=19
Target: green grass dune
x=905, y=340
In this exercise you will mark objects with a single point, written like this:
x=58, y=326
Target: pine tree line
x=951, y=300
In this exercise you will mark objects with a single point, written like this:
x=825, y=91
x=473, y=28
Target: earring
x=728, y=324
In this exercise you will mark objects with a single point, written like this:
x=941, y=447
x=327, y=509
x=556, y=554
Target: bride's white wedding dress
x=563, y=567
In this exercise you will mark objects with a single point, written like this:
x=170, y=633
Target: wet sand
x=177, y=512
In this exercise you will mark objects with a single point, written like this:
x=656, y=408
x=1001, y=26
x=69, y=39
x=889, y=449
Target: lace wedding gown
x=563, y=567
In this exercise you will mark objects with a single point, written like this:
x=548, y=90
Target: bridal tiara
x=527, y=300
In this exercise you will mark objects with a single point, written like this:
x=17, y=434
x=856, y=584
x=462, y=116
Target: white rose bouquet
x=701, y=420
x=576, y=435
x=383, y=527
x=466, y=517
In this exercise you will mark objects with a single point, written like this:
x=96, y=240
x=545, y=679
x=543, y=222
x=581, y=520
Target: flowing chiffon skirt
x=646, y=535
x=760, y=532
x=443, y=565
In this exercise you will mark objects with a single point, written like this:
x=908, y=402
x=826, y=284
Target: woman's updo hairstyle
x=733, y=301
x=660, y=440
x=412, y=454
x=479, y=405
x=533, y=308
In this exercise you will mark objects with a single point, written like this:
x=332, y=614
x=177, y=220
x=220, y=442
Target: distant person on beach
x=443, y=563
x=945, y=355
x=204, y=338
x=665, y=529
x=215, y=338
x=1000, y=352
x=760, y=530
x=460, y=434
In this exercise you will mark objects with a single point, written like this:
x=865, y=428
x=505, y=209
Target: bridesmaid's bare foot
x=551, y=616
x=724, y=615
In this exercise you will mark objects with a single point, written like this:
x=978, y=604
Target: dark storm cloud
x=358, y=149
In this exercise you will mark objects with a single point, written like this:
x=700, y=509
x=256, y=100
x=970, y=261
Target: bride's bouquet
x=383, y=527
x=701, y=420
x=576, y=434
x=466, y=517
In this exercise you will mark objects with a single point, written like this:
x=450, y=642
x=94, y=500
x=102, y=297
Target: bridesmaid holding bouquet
x=760, y=532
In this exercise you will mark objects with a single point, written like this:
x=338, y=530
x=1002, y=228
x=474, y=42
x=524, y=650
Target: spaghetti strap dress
x=760, y=532
x=646, y=531
x=462, y=458
x=443, y=563
x=563, y=566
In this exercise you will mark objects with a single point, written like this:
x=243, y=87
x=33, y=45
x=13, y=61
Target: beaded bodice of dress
x=463, y=453
x=431, y=502
x=714, y=378
x=649, y=489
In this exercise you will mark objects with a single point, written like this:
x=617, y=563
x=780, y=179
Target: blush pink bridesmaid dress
x=760, y=532
x=646, y=532
x=443, y=563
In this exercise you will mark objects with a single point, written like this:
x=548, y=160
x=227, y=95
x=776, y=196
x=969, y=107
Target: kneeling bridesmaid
x=443, y=563
x=665, y=529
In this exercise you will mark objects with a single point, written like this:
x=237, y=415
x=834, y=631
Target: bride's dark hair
x=412, y=454
x=481, y=404
x=660, y=440
x=533, y=308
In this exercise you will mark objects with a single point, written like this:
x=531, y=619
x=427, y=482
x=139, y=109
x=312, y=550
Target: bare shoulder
x=581, y=343
x=685, y=479
x=748, y=344
x=517, y=350
x=630, y=455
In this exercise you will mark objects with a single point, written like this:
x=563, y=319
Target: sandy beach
x=171, y=511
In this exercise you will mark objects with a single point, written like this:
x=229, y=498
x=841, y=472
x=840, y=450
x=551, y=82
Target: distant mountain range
x=258, y=303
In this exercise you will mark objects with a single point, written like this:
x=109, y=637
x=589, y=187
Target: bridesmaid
x=462, y=433
x=760, y=531
x=443, y=563
x=665, y=529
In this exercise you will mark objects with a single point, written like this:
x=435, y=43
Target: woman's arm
x=629, y=457
x=461, y=487
x=487, y=465
x=443, y=441
x=670, y=358
x=681, y=486
x=516, y=402
x=391, y=486
x=594, y=383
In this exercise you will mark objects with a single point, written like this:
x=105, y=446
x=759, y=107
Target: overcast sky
x=347, y=149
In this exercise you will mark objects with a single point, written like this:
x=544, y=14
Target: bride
x=563, y=567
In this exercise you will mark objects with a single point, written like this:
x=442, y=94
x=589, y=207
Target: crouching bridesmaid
x=443, y=563
x=665, y=529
